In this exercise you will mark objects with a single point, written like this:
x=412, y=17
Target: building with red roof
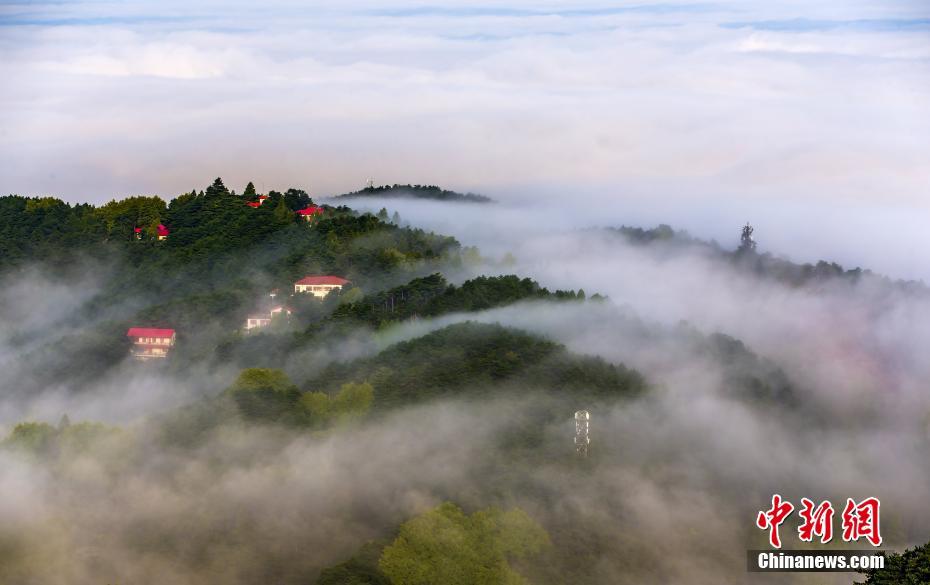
x=151, y=342
x=319, y=286
x=162, y=232
x=253, y=203
x=308, y=213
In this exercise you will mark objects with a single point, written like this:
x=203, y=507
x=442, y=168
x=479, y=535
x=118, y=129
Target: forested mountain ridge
x=664, y=239
x=417, y=192
x=425, y=408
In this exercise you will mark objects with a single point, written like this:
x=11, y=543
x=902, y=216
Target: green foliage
x=432, y=295
x=266, y=395
x=912, y=567
x=47, y=228
x=220, y=258
x=447, y=546
x=361, y=569
x=31, y=437
x=282, y=213
x=63, y=442
x=351, y=402
x=475, y=358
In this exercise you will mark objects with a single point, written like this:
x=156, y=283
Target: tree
x=249, y=190
x=282, y=214
x=297, y=199
x=912, y=567
x=264, y=394
x=383, y=214
x=31, y=437
x=351, y=402
x=447, y=546
x=217, y=188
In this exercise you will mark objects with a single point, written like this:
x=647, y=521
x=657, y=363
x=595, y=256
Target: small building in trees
x=310, y=212
x=262, y=199
x=137, y=233
x=162, y=232
x=255, y=204
x=151, y=343
x=260, y=320
x=319, y=286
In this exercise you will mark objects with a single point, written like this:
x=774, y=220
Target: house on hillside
x=262, y=199
x=255, y=204
x=319, y=286
x=162, y=232
x=309, y=213
x=137, y=232
x=150, y=343
x=258, y=321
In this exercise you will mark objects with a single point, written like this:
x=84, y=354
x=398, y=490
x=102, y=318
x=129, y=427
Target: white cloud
x=112, y=99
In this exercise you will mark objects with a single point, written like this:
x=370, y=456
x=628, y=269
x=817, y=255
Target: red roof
x=312, y=210
x=162, y=230
x=149, y=332
x=322, y=280
x=253, y=203
x=263, y=197
x=137, y=230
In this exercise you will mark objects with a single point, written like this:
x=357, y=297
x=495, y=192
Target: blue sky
x=679, y=106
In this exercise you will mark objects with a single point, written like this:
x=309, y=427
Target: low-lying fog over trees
x=417, y=425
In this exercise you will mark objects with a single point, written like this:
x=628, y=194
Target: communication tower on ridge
x=582, y=430
x=745, y=240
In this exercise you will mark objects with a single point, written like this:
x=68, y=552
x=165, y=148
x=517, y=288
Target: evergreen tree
x=282, y=213
x=217, y=188
x=249, y=190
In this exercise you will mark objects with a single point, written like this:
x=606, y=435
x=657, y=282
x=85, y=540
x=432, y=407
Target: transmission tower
x=745, y=240
x=582, y=430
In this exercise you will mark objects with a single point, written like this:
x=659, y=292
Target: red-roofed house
x=162, y=232
x=253, y=203
x=150, y=342
x=319, y=286
x=138, y=232
x=308, y=213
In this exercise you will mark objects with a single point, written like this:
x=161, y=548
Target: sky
x=792, y=112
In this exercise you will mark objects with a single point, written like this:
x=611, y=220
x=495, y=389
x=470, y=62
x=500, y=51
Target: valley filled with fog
x=714, y=378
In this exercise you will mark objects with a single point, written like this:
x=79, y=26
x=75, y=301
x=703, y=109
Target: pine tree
x=249, y=190
x=282, y=213
x=217, y=188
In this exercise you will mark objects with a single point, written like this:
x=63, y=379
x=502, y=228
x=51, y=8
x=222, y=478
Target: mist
x=670, y=491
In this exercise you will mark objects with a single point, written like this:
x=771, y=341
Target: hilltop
x=417, y=192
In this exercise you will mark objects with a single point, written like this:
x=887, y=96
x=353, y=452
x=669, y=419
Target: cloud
x=655, y=101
